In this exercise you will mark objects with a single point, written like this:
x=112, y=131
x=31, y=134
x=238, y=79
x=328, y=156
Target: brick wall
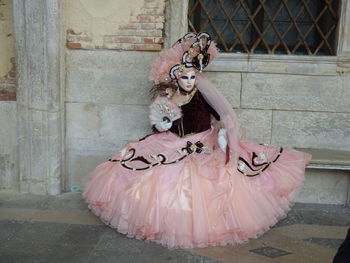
x=144, y=32
x=8, y=85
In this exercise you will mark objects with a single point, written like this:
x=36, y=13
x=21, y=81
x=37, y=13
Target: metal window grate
x=299, y=27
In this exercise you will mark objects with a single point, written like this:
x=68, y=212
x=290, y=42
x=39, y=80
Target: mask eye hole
x=184, y=77
x=193, y=77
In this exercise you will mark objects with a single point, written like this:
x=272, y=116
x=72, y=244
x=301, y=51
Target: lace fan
x=162, y=109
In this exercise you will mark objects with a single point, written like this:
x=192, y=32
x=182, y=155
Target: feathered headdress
x=191, y=51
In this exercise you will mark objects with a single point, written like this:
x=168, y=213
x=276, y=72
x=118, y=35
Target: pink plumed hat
x=191, y=51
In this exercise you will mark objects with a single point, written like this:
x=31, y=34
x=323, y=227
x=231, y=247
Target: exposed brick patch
x=148, y=25
x=131, y=26
x=143, y=32
x=8, y=84
x=150, y=47
x=153, y=11
x=150, y=18
x=73, y=37
x=7, y=95
x=148, y=40
x=129, y=46
x=74, y=45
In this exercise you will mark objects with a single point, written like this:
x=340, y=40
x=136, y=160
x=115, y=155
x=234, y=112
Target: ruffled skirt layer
x=180, y=193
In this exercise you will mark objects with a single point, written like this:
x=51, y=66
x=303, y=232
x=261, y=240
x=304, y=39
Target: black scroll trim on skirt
x=256, y=168
x=161, y=159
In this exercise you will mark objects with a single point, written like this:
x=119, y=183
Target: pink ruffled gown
x=178, y=191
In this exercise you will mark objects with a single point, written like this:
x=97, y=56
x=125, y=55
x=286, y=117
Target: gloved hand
x=222, y=139
x=163, y=126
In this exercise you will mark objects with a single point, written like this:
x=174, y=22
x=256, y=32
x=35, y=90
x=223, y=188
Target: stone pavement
x=61, y=229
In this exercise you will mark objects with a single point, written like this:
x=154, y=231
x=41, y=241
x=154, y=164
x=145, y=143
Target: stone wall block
x=54, y=37
x=39, y=171
x=91, y=146
x=54, y=124
x=291, y=65
x=292, y=92
x=127, y=60
x=229, y=84
x=37, y=187
x=110, y=86
x=124, y=122
x=311, y=129
x=8, y=147
x=344, y=29
x=80, y=166
x=45, y=123
x=109, y=77
x=255, y=124
x=55, y=174
x=324, y=186
x=39, y=127
x=344, y=104
x=176, y=12
x=7, y=123
x=224, y=63
x=80, y=83
x=82, y=120
x=83, y=155
x=124, y=87
x=7, y=171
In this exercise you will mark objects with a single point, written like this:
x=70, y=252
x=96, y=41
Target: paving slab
x=114, y=241
x=26, y=201
x=61, y=229
x=336, y=215
x=8, y=228
x=108, y=256
x=66, y=253
x=66, y=201
x=82, y=235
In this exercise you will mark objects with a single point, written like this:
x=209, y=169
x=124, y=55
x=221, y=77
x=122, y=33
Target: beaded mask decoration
x=192, y=51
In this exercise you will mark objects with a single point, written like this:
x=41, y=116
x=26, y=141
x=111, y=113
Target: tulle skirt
x=179, y=192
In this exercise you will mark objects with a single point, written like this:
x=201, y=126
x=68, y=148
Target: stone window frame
x=298, y=27
x=176, y=25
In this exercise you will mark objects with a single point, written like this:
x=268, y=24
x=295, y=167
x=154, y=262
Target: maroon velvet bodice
x=196, y=116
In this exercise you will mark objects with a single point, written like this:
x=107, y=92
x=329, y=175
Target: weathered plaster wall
x=8, y=136
x=115, y=24
x=7, y=52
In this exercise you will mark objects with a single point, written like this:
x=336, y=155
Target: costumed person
x=343, y=253
x=194, y=182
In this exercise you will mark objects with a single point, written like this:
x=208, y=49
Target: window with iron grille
x=298, y=27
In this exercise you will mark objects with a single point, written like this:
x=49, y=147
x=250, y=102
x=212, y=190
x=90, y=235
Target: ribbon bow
x=196, y=147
